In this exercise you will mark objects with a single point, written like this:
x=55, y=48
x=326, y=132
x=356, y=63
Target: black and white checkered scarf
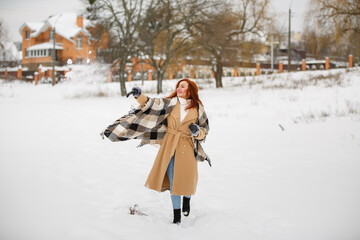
x=148, y=123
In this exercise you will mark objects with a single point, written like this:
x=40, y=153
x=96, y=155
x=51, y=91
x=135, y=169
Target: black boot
x=186, y=206
x=177, y=216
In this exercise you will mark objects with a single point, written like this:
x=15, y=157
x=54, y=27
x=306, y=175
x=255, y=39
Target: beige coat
x=176, y=140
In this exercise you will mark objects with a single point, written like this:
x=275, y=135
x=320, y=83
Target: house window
x=79, y=41
x=27, y=34
x=26, y=53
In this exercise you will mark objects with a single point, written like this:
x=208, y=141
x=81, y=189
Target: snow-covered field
x=285, y=152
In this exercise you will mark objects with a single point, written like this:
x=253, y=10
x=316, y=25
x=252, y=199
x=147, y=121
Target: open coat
x=177, y=140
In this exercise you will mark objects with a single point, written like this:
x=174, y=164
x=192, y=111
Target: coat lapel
x=176, y=112
x=192, y=114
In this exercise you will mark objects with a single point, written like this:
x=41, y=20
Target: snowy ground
x=59, y=180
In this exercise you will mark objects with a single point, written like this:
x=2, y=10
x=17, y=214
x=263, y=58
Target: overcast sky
x=16, y=12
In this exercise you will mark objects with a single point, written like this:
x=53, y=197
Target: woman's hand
x=194, y=129
x=135, y=91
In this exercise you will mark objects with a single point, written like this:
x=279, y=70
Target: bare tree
x=104, y=42
x=162, y=36
x=122, y=19
x=222, y=29
x=332, y=28
x=343, y=15
x=3, y=40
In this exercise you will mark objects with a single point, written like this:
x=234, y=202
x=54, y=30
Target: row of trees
x=3, y=42
x=3, y=35
x=166, y=30
x=8, y=49
x=220, y=31
x=332, y=29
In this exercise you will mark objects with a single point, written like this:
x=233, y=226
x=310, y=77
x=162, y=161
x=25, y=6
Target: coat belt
x=177, y=133
x=177, y=137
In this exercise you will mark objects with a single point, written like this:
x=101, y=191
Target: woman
x=179, y=124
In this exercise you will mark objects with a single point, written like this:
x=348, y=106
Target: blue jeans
x=175, y=199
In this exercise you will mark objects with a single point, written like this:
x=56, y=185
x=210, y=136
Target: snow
x=60, y=180
x=14, y=69
x=46, y=45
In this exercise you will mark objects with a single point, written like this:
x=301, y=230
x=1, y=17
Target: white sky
x=16, y=12
x=298, y=10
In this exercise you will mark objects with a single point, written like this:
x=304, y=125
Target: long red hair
x=192, y=91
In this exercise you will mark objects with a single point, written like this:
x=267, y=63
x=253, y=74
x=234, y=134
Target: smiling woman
x=182, y=90
x=179, y=124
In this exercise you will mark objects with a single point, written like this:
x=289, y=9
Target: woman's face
x=182, y=90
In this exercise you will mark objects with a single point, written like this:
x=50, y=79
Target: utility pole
x=141, y=68
x=272, y=43
x=53, y=52
x=53, y=58
x=289, y=42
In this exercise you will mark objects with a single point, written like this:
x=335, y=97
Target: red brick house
x=74, y=42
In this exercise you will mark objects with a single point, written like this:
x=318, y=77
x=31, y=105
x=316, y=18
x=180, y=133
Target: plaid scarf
x=149, y=124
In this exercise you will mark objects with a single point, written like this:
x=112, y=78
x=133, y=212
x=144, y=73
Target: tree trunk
x=160, y=76
x=142, y=72
x=218, y=75
x=122, y=78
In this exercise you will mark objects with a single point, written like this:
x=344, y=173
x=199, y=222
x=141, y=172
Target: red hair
x=192, y=91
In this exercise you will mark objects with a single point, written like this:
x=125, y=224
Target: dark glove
x=194, y=129
x=136, y=91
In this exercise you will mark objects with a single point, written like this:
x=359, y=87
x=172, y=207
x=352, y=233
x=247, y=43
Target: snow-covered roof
x=249, y=37
x=315, y=62
x=57, y=68
x=261, y=58
x=64, y=23
x=283, y=46
x=46, y=45
x=34, y=26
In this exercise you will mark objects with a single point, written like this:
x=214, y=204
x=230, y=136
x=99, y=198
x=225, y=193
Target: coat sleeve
x=203, y=123
x=142, y=99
